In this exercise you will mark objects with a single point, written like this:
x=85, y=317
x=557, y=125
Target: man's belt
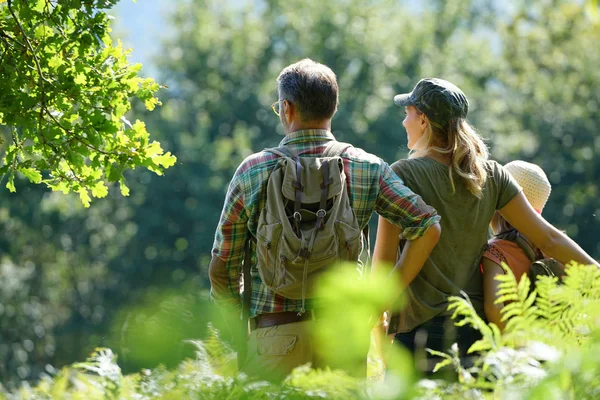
x=281, y=318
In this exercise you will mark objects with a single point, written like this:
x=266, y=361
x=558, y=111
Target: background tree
x=65, y=92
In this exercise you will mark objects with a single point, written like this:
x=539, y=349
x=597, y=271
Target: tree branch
x=37, y=65
x=74, y=135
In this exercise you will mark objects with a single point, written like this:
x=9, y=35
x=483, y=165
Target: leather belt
x=282, y=318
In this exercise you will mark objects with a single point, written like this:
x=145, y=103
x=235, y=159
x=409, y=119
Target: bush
x=549, y=349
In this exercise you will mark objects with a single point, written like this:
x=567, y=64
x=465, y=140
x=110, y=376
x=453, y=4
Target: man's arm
x=228, y=247
x=402, y=207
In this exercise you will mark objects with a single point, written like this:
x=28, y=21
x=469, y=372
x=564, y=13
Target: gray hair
x=312, y=88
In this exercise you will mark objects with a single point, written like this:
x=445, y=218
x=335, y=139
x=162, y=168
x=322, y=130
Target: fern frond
x=523, y=288
x=530, y=300
x=480, y=346
x=462, y=306
x=442, y=364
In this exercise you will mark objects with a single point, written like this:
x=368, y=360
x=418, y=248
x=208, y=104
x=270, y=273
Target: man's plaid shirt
x=372, y=186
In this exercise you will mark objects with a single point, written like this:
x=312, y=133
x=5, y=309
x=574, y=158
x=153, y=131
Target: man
x=281, y=331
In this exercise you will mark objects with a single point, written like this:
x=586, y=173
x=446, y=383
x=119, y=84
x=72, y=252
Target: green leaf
x=40, y=5
x=80, y=79
x=442, y=364
x=84, y=196
x=55, y=61
x=151, y=103
x=167, y=160
x=153, y=149
x=99, y=190
x=114, y=173
x=10, y=185
x=124, y=188
x=32, y=174
x=43, y=31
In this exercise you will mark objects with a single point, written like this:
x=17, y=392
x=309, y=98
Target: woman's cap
x=440, y=100
x=533, y=180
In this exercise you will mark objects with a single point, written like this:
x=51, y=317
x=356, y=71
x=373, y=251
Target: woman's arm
x=519, y=213
x=490, y=289
x=413, y=256
x=386, y=245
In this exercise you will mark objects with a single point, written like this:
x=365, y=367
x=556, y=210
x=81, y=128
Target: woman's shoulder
x=412, y=163
x=493, y=166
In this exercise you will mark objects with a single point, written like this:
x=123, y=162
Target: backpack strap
x=324, y=191
x=527, y=248
x=514, y=236
x=282, y=151
x=297, y=184
x=335, y=149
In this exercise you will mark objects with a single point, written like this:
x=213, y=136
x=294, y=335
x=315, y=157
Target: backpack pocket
x=267, y=255
x=289, y=281
x=350, y=241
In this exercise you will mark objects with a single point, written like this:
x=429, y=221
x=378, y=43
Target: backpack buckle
x=304, y=253
x=320, y=219
x=297, y=216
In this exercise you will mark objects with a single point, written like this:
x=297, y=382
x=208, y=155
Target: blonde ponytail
x=466, y=149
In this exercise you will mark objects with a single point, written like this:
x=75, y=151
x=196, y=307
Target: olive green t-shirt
x=453, y=265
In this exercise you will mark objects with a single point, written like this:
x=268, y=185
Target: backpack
x=307, y=224
x=540, y=265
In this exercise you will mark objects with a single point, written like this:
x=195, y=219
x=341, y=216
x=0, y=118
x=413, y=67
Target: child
x=503, y=247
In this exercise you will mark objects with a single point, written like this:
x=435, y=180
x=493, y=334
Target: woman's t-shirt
x=453, y=265
x=500, y=250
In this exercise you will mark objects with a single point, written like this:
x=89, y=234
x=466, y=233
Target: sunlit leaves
x=66, y=88
x=548, y=324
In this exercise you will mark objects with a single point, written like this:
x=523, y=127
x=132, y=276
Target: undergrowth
x=550, y=349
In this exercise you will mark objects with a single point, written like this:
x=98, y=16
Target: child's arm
x=490, y=288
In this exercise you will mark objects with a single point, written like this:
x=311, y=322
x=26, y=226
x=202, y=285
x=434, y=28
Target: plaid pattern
x=372, y=186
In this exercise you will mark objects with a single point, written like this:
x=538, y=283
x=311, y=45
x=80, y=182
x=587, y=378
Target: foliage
x=548, y=104
x=506, y=368
x=66, y=89
x=548, y=343
x=100, y=378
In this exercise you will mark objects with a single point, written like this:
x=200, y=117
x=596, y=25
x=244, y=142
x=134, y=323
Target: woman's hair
x=465, y=147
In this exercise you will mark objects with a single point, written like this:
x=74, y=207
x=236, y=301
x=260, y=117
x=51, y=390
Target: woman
x=509, y=246
x=449, y=167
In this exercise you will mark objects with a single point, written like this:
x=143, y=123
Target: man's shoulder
x=255, y=160
x=359, y=155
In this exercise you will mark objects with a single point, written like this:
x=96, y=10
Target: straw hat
x=533, y=180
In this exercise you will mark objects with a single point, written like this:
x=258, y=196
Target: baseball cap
x=533, y=180
x=440, y=100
